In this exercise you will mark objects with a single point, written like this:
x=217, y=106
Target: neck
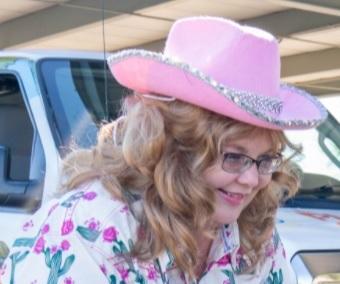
x=204, y=245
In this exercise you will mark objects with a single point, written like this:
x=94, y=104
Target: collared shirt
x=85, y=236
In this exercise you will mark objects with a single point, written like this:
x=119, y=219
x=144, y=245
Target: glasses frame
x=257, y=162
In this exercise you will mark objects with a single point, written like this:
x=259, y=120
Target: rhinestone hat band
x=254, y=104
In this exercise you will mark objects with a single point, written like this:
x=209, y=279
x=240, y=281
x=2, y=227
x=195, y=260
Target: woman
x=185, y=186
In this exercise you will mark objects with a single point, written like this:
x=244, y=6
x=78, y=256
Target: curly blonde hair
x=159, y=150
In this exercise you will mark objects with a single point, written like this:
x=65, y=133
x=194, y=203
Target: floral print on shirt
x=86, y=235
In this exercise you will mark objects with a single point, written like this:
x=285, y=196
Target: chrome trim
x=309, y=265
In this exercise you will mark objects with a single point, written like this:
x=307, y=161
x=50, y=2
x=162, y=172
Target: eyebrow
x=244, y=150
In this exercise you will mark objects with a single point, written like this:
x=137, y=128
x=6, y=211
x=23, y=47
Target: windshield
x=313, y=159
x=319, y=162
x=78, y=100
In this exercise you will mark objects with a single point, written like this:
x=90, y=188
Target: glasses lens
x=235, y=163
x=268, y=165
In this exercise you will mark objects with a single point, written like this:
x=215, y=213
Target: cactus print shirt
x=84, y=237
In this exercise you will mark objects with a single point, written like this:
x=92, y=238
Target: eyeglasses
x=239, y=163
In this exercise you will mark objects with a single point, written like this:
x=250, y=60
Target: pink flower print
x=210, y=264
x=141, y=233
x=123, y=272
x=92, y=224
x=89, y=195
x=45, y=229
x=239, y=257
x=223, y=261
x=68, y=280
x=3, y=269
x=54, y=249
x=110, y=234
x=39, y=245
x=27, y=225
x=52, y=209
x=65, y=245
x=152, y=273
x=226, y=282
x=270, y=250
x=103, y=268
x=67, y=227
x=125, y=209
x=273, y=264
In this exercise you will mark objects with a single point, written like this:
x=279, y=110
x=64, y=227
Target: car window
x=313, y=159
x=16, y=130
x=81, y=95
x=319, y=163
x=22, y=159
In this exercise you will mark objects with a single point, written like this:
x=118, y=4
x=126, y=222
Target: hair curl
x=160, y=150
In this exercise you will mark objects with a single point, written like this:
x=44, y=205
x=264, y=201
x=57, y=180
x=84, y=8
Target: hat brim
x=154, y=73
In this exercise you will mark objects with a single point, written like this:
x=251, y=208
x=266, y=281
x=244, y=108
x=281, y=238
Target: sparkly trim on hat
x=224, y=67
x=263, y=107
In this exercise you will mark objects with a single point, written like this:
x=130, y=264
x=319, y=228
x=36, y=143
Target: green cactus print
x=15, y=259
x=68, y=203
x=55, y=265
x=113, y=279
x=88, y=234
x=275, y=277
x=46, y=252
x=230, y=275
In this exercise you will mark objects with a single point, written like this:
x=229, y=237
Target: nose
x=250, y=177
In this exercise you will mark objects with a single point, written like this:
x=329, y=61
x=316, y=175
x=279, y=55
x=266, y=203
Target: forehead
x=255, y=138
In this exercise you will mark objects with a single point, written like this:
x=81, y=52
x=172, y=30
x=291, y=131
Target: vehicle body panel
x=303, y=229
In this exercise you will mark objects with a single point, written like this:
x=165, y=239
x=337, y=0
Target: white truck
x=50, y=101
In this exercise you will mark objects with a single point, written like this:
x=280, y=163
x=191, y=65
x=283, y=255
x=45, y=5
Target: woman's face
x=234, y=191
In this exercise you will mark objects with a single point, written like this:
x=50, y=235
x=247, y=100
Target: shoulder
x=84, y=212
x=88, y=201
x=70, y=230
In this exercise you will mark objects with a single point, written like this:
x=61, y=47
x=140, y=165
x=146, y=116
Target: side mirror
x=329, y=139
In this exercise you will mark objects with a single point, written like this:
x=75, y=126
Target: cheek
x=262, y=184
x=210, y=175
x=216, y=177
x=264, y=181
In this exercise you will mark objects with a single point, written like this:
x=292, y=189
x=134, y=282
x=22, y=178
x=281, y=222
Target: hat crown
x=223, y=67
x=240, y=57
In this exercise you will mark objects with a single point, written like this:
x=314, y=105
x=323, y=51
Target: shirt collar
x=227, y=242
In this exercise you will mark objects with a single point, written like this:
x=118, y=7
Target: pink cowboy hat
x=221, y=66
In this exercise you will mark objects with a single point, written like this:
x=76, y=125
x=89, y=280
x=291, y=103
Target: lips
x=232, y=198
